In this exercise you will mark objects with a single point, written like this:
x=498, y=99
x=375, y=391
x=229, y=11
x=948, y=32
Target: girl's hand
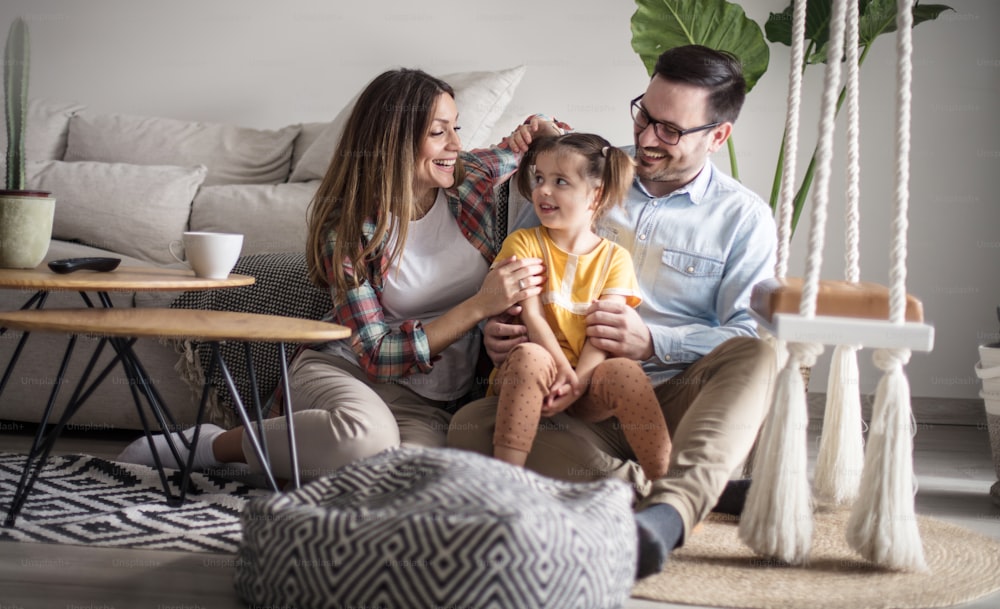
x=565, y=389
x=509, y=282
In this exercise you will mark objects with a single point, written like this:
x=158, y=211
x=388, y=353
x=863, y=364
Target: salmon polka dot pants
x=618, y=388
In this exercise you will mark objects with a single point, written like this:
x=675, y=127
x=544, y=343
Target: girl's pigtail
x=525, y=170
x=619, y=170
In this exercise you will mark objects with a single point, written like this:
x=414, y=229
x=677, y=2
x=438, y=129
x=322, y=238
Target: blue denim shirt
x=697, y=253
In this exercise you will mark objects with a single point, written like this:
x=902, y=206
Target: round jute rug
x=716, y=569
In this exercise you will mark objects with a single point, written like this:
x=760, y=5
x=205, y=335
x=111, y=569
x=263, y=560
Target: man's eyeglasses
x=667, y=134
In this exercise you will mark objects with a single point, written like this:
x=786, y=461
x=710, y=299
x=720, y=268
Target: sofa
x=127, y=186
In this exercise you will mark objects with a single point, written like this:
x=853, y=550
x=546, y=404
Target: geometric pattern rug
x=83, y=500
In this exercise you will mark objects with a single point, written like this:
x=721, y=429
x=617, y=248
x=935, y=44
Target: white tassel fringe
x=883, y=525
x=841, y=448
x=777, y=518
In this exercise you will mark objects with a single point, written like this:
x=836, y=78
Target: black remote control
x=68, y=265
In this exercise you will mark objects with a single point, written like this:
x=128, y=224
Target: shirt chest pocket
x=688, y=283
x=692, y=266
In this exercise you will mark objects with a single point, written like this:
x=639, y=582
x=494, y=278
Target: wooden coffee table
x=41, y=281
x=123, y=326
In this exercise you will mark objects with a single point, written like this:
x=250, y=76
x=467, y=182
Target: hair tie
x=604, y=152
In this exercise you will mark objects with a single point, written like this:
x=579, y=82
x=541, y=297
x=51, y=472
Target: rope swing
x=800, y=316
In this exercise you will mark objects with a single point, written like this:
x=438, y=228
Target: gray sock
x=140, y=453
x=660, y=530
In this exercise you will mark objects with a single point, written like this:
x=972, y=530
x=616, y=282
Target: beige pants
x=340, y=417
x=713, y=411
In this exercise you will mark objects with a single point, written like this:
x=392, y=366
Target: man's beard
x=659, y=174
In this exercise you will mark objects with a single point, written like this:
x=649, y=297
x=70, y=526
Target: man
x=699, y=241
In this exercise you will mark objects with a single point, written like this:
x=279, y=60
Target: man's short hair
x=718, y=71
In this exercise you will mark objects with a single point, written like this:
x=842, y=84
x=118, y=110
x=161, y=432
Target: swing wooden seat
x=836, y=298
x=846, y=313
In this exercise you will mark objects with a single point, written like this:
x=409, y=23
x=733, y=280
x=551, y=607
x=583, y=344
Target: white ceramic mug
x=211, y=255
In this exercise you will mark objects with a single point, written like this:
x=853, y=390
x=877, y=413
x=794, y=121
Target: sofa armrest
x=282, y=288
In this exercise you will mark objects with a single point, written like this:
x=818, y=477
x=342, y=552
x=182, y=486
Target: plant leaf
x=875, y=17
x=658, y=25
x=779, y=27
x=880, y=18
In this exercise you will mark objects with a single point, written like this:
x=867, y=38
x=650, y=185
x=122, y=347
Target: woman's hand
x=521, y=137
x=509, y=282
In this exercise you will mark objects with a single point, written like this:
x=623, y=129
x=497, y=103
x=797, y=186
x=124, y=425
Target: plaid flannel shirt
x=385, y=353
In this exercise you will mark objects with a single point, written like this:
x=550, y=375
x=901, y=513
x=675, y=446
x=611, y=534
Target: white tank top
x=438, y=269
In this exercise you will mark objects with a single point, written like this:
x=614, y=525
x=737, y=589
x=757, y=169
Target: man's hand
x=616, y=328
x=502, y=333
x=536, y=126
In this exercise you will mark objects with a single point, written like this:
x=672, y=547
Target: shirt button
x=642, y=237
x=666, y=358
x=690, y=269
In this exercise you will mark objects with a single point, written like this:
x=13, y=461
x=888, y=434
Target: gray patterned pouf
x=439, y=528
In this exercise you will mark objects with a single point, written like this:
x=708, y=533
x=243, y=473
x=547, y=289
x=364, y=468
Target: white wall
x=267, y=64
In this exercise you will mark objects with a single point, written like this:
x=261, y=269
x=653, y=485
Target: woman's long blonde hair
x=371, y=177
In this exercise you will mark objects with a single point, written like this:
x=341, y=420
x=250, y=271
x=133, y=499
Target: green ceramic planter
x=25, y=228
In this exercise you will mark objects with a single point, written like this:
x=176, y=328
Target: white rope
x=840, y=460
x=841, y=450
x=852, y=215
x=787, y=190
x=777, y=517
x=824, y=159
x=897, y=269
x=882, y=526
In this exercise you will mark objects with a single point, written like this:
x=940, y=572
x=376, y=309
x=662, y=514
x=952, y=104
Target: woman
x=402, y=233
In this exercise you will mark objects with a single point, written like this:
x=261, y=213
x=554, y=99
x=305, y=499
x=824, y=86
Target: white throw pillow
x=136, y=210
x=271, y=217
x=233, y=155
x=481, y=98
x=46, y=131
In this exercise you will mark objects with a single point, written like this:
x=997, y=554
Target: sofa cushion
x=308, y=134
x=271, y=217
x=48, y=126
x=481, y=98
x=233, y=155
x=136, y=210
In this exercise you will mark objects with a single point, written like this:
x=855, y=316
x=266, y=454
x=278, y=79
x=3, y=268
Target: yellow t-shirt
x=573, y=282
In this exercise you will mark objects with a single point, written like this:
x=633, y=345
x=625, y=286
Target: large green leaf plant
x=658, y=25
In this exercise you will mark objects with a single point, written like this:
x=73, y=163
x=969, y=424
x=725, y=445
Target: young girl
x=571, y=179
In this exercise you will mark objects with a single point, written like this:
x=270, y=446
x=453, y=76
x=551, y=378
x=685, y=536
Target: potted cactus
x=25, y=215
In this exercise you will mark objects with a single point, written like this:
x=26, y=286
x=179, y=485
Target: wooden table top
x=174, y=323
x=122, y=279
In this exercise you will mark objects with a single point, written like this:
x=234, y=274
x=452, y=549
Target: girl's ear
x=595, y=197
